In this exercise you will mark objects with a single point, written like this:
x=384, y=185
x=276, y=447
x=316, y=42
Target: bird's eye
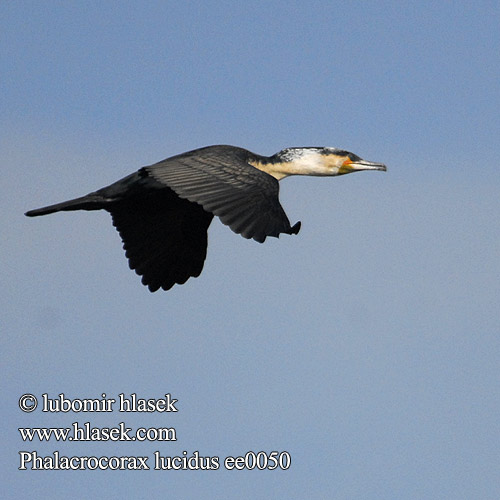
x=346, y=162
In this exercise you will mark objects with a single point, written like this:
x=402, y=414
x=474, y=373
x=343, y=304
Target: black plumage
x=163, y=211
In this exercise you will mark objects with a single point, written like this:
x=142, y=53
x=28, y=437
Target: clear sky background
x=367, y=346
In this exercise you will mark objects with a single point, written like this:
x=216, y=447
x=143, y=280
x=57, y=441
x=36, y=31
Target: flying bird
x=163, y=211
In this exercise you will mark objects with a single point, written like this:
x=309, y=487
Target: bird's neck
x=313, y=164
x=276, y=170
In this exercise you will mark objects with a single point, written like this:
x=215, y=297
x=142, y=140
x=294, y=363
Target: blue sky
x=367, y=346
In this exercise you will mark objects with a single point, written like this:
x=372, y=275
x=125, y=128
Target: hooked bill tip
x=368, y=165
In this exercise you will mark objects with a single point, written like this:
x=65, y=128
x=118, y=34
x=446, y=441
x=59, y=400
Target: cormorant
x=163, y=211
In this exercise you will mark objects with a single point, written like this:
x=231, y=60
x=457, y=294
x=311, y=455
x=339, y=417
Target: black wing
x=221, y=180
x=164, y=236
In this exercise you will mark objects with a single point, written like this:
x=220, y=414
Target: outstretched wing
x=164, y=236
x=220, y=179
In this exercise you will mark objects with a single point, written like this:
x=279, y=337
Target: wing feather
x=221, y=180
x=164, y=236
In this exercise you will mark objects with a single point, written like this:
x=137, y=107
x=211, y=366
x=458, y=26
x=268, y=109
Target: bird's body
x=163, y=211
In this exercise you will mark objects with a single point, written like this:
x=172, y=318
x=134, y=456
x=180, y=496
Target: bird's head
x=318, y=161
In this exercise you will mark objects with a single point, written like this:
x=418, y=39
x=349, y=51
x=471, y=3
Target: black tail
x=89, y=202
